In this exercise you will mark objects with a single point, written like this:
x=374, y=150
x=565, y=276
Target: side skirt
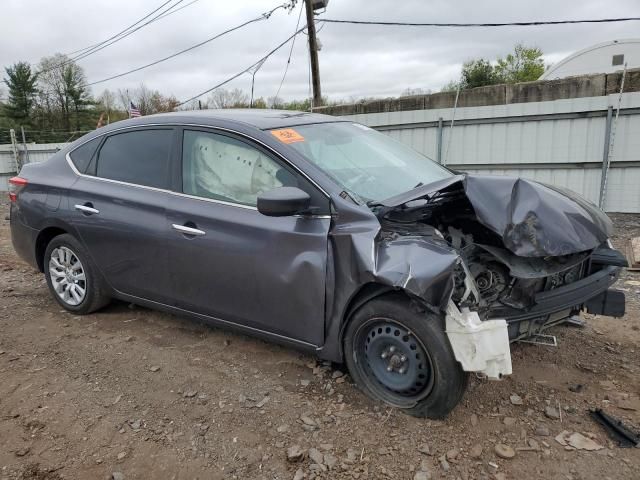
x=224, y=324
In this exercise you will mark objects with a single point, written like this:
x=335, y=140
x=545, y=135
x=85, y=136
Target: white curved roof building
x=605, y=57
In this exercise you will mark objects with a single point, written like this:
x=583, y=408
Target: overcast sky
x=355, y=61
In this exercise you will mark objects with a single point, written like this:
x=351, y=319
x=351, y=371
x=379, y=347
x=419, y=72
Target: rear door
x=119, y=205
x=231, y=262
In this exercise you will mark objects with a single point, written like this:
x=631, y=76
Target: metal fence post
x=14, y=147
x=605, y=154
x=439, y=141
x=24, y=144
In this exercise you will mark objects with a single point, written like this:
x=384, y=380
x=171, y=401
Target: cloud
x=355, y=61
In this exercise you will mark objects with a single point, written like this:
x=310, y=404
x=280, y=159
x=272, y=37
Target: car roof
x=262, y=119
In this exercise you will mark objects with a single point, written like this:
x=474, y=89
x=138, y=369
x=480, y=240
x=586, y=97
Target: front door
x=229, y=261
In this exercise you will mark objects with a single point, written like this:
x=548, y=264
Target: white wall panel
x=548, y=142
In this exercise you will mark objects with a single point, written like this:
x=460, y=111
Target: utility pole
x=313, y=54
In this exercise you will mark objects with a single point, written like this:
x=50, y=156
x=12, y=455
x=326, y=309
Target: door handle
x=188, y=230
x=87, y=209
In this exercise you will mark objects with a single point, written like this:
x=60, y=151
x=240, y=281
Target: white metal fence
x=11, y=156
x=560, y=142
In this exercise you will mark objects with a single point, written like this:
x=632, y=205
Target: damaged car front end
x=529, y=253
x=490, y=260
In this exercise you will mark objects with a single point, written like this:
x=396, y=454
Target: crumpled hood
x=533, y=219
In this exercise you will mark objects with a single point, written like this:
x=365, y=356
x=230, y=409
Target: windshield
x=364, y=162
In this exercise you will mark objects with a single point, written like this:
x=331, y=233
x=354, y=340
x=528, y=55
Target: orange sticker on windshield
x=287, y=135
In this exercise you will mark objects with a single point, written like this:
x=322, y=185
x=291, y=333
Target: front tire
x=403, y=357
x=72, y=278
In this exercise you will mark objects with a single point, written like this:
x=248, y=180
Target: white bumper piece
x=479, y=346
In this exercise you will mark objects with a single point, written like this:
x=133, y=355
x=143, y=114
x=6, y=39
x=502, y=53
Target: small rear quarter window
x=81, y=156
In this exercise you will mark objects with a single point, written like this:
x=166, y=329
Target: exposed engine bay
x=516, y=259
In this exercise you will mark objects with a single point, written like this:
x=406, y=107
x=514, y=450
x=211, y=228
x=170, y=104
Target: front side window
x=365, y=163
x=140, y=157
x=222, y=168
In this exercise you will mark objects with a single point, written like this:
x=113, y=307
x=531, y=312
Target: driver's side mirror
x=283, y=202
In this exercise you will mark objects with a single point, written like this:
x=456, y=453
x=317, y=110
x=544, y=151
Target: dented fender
x=417, y=266
x=360, y=256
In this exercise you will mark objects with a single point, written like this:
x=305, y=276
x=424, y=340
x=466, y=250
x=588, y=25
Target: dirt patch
x=142, y=394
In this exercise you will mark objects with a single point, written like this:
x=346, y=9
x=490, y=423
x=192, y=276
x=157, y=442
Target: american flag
x=133, y=111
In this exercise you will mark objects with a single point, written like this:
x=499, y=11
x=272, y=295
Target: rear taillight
x=15, y=185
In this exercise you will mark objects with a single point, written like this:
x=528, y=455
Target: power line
x=176, y=10
x=120, y=32
x=130, y=32
x=261, y=60
x=264, y=16
x=286, y=68
x=506, y=24
x=116, y=38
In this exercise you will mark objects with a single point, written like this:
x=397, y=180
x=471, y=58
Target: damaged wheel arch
x=371, y=291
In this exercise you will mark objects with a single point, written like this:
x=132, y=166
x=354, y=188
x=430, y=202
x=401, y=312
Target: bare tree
x=275, y=102
x=192, y=105
x=223, y=98
x=107, y=100
x=111, y=105
x=146, y=100
x=122, y=97
x=409, y=91
x=63, y=87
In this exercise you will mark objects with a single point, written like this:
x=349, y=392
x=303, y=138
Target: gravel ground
x=132, y=393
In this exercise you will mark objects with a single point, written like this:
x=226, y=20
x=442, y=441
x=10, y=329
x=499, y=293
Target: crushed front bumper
x=591, y=294
x=570, y=296
x=483, y=346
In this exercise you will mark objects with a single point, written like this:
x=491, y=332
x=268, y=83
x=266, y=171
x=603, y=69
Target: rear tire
x=72, y=277
x=403, y=357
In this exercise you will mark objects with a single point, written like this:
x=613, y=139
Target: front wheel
x=403, y=357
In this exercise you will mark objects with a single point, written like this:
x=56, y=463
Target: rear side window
x=82, y=156
x=140, y=157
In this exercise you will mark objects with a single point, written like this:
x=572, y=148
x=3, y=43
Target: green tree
x=21, y=82
x=478, y=73
x=525, y=64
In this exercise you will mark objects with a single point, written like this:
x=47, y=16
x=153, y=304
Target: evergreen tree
x=21, y=82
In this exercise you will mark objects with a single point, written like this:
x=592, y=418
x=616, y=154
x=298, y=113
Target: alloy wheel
x=68, y=276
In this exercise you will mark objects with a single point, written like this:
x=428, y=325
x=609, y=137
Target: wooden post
x=313, y=54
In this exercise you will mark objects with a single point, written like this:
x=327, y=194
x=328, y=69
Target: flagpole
x=128, y=103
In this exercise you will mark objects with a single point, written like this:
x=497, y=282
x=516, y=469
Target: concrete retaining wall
x=567, y=88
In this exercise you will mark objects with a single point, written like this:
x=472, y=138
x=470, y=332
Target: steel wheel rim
x=68, y=276
x=384, y=342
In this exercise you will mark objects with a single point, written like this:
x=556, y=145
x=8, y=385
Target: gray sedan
x=319, y=233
